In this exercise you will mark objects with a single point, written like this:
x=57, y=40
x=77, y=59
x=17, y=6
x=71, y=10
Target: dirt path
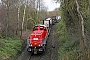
x=51, y=52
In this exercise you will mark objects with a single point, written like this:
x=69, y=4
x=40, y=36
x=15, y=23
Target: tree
x=20, y=11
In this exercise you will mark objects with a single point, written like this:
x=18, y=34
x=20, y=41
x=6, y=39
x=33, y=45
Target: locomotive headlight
x=30, y=44
x=39, y=45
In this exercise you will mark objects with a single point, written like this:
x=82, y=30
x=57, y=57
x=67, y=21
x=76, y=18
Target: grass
x=9, y=48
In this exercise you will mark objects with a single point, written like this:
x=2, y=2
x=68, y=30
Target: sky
x=51, y=5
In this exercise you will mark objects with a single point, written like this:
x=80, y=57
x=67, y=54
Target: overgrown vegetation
x=9, y=48
x=68, y=48
x=72, y=44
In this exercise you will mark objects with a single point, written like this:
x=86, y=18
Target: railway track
x=50, y=53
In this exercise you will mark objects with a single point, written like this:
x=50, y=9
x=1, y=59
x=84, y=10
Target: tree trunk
x=82, y=34
x=7, y=18
x=23, y=20
x=18, y=20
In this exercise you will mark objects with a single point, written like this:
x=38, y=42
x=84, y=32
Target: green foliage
x=68, y=48
x=9, y=48
x=69, y=43
x=71, y=55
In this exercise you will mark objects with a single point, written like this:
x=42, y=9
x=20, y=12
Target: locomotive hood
x=36, y=38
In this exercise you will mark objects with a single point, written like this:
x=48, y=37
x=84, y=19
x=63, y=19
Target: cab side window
x=35, y=28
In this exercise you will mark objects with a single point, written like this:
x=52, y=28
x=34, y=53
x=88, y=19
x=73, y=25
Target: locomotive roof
x=40, y=25
x=48, y=18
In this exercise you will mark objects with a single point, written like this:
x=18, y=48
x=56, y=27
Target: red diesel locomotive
x=38, y=39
